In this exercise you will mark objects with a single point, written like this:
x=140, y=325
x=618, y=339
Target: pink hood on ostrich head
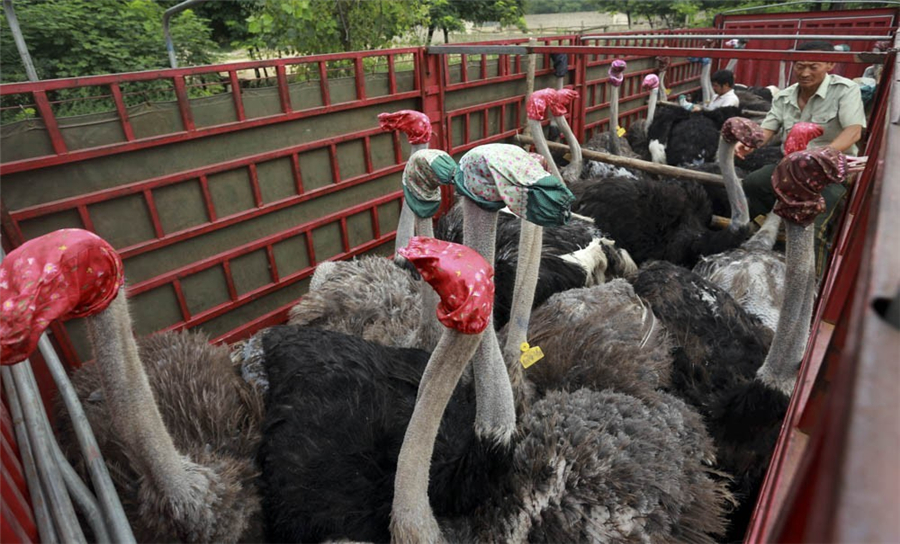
x=66, y=273
x=415, y=124
x=799, y=179
x=741, y=129
x=461, y=277
x=800, y=135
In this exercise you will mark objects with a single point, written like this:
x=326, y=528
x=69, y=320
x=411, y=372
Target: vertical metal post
x=173, y=62
x=19, y=39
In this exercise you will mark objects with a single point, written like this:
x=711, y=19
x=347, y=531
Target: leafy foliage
x=450, y=15
x=303, y=27
x=69, y=38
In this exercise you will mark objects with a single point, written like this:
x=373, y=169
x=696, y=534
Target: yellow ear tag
x=530, y=355
x=620, y=132
x=667, y=92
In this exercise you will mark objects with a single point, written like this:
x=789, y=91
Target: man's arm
x=847, y=138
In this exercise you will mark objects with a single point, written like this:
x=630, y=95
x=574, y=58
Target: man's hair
x=723, y=77
x=816, y=45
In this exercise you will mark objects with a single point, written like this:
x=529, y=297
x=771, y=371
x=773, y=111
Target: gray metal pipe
x=19, y=39
x=170, y=48
x=61, y=509
x=29, y=465
x=111, y=506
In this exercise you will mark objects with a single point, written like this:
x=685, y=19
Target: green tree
x=303, y=27
x=70, y=38
x=451, y=15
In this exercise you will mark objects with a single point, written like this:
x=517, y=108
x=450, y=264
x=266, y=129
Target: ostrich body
x=722, y=364
x=213, y=418
x=753, y=274
x=583, y=470
x=687, y=138
x=196, y=483
x=373, y=399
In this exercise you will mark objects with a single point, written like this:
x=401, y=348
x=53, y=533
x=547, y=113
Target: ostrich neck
x=130, y=401
x=412, y=519
x=740, y=214
x=406, y=224
x=495, y=414
x=541, y=144
x=614, y=121
x=572, y=171
x=731, y=64
x=651, y=106
x=706, y=82
x=661, y=90
x=429, y=327
x=779, y=370
x=527, y=271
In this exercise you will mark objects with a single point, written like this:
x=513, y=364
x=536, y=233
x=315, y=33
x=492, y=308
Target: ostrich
x=679, y=137
x=637, y=132
x=722, y=364
x=314, y=436
x=662, y=220
x=753, y=273
x=610, y=140
x=585, y=468
x=177, y=426
x=573, y=255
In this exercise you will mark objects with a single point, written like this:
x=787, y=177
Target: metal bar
x=216, y=260
x=296, y=173
x=49, y=118
x=835, y=37
x=229, y=280
x=236, y=95
x=106, y=492
x=273, y=266
x=359, y=73
x=112, y=149
x=166, y=180
x=284, y=94
x=38, y=499
x=464, y=68
x=376, y=222
x=310, y=248
x=62, y=512
x=21, y=46
x=122, y=110
x=367, y=151
x=345, y=237
x=323, y=84
x=825, y=56
x=254, y=185
x=167, y=15
x=335, y=167
x=207, y=198
x=154, y=213
x=182, y=301
x=86, y=220
x=184, y=104
x=392, y=76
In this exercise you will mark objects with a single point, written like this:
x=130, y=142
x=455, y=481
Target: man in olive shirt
x=832, y=102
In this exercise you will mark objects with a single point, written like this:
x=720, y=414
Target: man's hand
x=741, y=151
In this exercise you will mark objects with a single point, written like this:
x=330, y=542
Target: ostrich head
x=74, y=273
x=556, y=102
x=463, y=280
x=798, y=181
x=734, y=130
x=417, y=128
x=650, y=83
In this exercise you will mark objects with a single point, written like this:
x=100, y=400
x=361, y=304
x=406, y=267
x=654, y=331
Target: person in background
x=723, y=86
x=832, y=102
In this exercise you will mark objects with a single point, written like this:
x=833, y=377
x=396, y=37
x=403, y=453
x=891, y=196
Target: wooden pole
x=646, y=166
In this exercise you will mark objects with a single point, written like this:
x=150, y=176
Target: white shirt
x=723, y=101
